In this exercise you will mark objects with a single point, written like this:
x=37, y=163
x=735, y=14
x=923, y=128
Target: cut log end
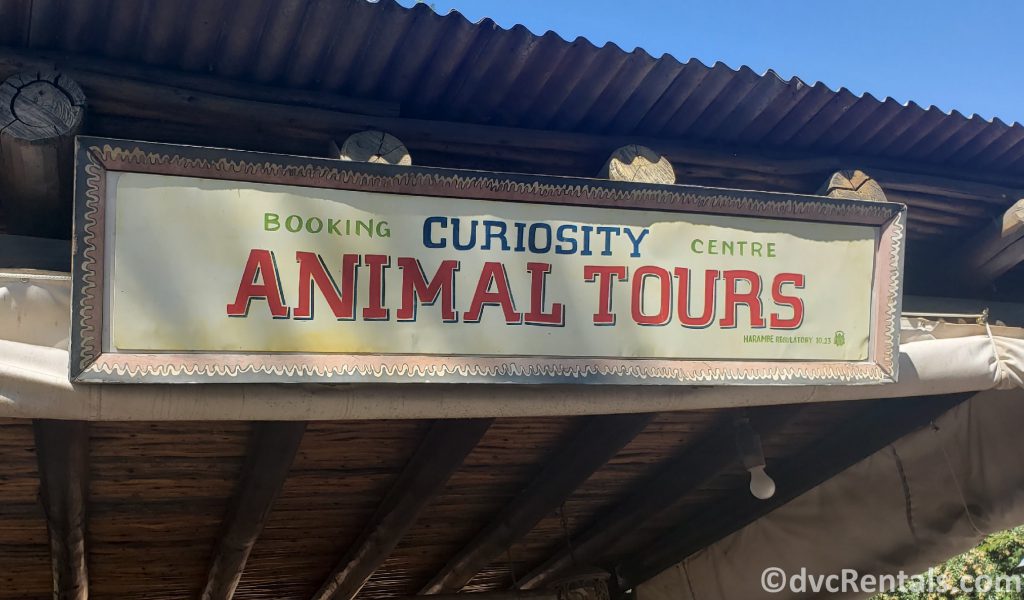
x=40, y=114
x=40, y=106
x=375, y=147
x=638, y=164
x=853, y=184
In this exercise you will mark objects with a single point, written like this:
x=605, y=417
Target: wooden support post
x=272, y=449
x=62, y=449
x=880, y=425
x=638, y=164
x=374, y=147
x=40, y=114
x=852, y=184
x=442, y=451
x=599, y=440
x=695, y=465
x=995, y=250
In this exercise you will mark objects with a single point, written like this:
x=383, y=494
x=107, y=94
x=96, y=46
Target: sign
x=197, y=265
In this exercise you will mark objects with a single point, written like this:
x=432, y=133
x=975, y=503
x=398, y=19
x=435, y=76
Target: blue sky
x=959, y=55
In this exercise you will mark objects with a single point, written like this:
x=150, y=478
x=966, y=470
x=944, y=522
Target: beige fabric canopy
x=935, y=358
x=963, y=479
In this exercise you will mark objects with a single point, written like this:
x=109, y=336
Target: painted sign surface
x=207, y=276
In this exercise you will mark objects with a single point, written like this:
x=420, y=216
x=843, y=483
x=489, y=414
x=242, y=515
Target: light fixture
x=748, y=445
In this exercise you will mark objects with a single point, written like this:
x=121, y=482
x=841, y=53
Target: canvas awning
x=931, y=495
x=937, y=361
x=935, y=358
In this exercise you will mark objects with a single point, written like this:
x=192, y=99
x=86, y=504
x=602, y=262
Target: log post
x=40, y=114
x=374, y=147
x=852, y=184
x=62, y=450
x=995, y=250
x=639, y=164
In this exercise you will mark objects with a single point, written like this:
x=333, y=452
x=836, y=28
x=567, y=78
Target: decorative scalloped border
x=349, y=368
x=89, y=363
x=89, y=245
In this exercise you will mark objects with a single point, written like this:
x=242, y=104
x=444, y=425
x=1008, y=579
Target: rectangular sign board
x=202, y=265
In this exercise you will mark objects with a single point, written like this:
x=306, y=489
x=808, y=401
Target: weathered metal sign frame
x=90, y=363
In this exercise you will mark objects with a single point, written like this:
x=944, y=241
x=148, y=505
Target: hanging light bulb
x=748, y=446
x=761, y=485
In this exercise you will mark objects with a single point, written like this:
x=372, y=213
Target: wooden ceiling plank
x=590, y=448
x=696, y=464
x=880, y=425
x=444, y=448
x=272, y=449
x=62, y=449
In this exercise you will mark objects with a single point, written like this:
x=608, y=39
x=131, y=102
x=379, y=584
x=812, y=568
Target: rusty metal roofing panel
x=937, y=137
x=445, y=67
x=798, y=115
x=829, y=115
x=617, y=93
x=743, y=114
x=973, y=127
x=793, y=92
x=590, y=90
x=721, y=89
x=665, y=108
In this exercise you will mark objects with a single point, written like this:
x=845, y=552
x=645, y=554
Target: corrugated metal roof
x=449, y=68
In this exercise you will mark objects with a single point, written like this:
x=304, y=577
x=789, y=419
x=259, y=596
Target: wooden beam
x=695, y=465
x=272, y=449
x=40, y=114
x=882, y=424
x=944, y=186
x=62, y=449
x=600, y=439
x=995, y=250
x=442, y=451
x=12, y=61
x=119, y=92
x=24, y=252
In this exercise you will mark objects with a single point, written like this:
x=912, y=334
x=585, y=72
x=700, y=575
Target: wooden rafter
x=695, y=465
x=995, y=250
x=442, y=451
x=878, y=426
x=591, y=447
x=272, y=449
x=62, y=449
